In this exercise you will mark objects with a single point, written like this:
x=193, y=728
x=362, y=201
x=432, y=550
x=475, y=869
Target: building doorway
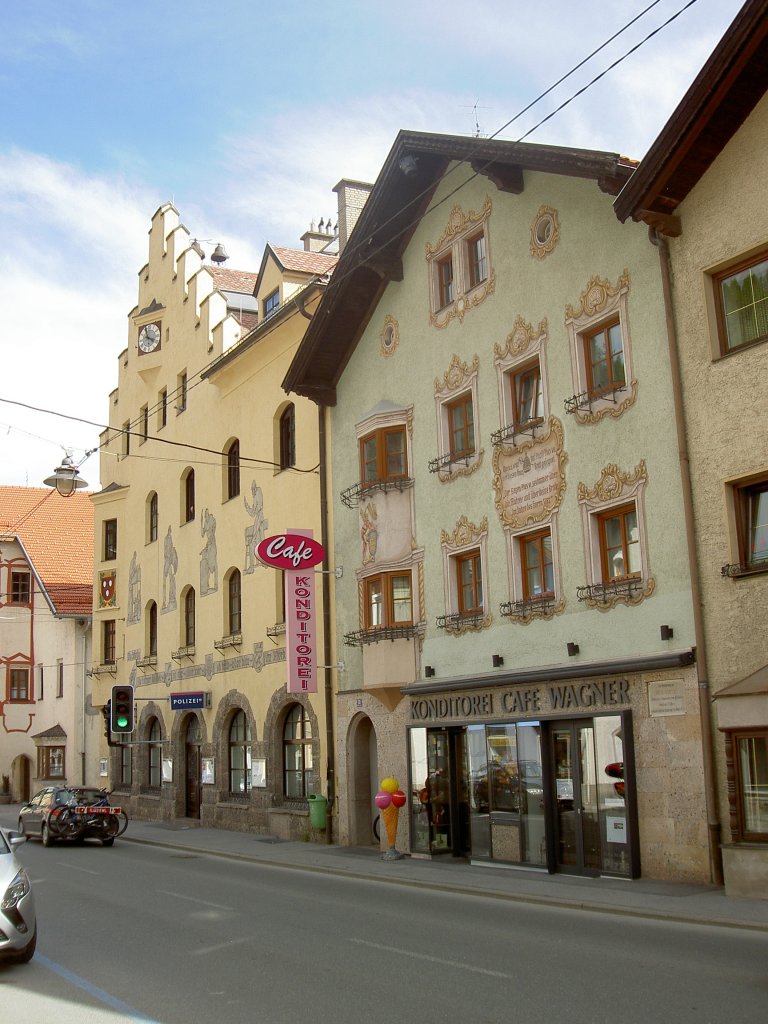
x=440, y=782
x=362, y=780
x=192, y=790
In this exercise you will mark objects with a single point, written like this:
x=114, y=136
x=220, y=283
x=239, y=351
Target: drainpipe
x=326, y=576
x=82, y=712
x=705, y=713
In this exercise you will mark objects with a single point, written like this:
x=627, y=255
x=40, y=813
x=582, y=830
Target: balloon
x=389, y=785
x=382, y=800
x=398, y=798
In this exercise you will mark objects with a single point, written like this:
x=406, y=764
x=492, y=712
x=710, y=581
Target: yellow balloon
x=389, y=785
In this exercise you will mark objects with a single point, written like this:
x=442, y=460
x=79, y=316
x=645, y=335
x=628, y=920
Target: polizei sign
x=295, y=553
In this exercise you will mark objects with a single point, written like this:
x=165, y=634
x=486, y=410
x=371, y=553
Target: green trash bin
x=317, y=806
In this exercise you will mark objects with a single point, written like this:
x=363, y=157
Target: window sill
x=148, y=662
x=184, y=652
x=233, y=640
x=741, y=569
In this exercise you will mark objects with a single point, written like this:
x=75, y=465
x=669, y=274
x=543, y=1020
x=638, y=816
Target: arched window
x=288, y=438
x=234, y=602
x=154, y=754
x=152, y=517
x=152, y=629
x=232, y=482
x=239, y=754
x=297, y=754
x=188, y=632
x=188, y=496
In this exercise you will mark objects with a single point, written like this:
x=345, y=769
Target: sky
x=245, y=115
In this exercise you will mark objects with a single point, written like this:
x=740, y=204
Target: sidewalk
x=669, y=901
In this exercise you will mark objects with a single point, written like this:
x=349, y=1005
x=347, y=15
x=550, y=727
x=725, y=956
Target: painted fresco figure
x=209, y=566
x=134, y=590
x=170, y=567
x=254, y=533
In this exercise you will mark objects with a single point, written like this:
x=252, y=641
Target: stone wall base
x=745, y=870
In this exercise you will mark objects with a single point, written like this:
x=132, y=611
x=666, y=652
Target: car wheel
x=108, y=842
x=27, y=953
x=20, y=828
x=45, y=835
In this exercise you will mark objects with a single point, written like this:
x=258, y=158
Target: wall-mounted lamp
x=573, y=648
x=497, y=660
x=428, y=671
x=408, y=164
x=66, y=478
x=666, y=632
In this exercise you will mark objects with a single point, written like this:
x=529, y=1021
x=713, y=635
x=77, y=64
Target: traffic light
x=121, y=708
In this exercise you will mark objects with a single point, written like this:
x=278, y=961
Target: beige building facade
x=204, y=458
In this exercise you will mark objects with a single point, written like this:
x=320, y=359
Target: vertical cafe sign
x=296, y=554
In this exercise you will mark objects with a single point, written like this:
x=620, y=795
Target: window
x=126, y=438
x=144, y=423
x=538, y=575
x=445, y=281
x=288, y=438
x=751, y=763
x=604, y=357
x=477, y=261
x=297, y=754
x=383, y=455
x=469, y=580
x=162, y=408
x=234, y=607
x=188, y=496
x=239, y=754
x=20, y=587
x=460, y=275
x=741, y=301
x=752, y=524
x=232, y=488
x=108, y=639
x=50, y=763
x=189, y=618
x=272, y=303
x=619, y=544
x=40, y=682
x=388, y=600
x=18, y=685
x=152, y=629
x=154, y=755
x=461, y=426
x=110, y=539
x=59, y=678
x=601, y=360
x=527, y=396
x=152, y=518
x=181, y=392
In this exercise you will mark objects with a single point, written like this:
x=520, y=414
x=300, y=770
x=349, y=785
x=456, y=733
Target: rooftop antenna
x=474, y=108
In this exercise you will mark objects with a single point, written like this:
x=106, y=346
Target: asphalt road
x=136, y=933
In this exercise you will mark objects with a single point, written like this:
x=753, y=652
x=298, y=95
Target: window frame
x=523, y=540
x=386, y=581
x=477, y=265
x=110, y=540
x=154, y=753
x=471, y=557
x=144, y=424
x=109, y=642
x=162, y=408
x=739, y=493
x=59, y=678
x=19, y=692
x=232, y=470
x=445, y=281
x=240, y=741
x=379, y=436
x=45, y=757
x=620, y=512
x=271, y=304
x=153, y=518
x=152, y=629
x=234, y=602
x=462, y=288
x=718, y=279
x=612, y=385
x=20, y=587
x=181, y=392
x=297, y=721
x=457, y=388
x=462, y=403
x=286, y=429
x=736, y=736
x=188, y=496
x=188, y=617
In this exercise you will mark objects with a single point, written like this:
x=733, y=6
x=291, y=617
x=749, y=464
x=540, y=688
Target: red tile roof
x=304, y=262
x=57, y=534
x=233, y=280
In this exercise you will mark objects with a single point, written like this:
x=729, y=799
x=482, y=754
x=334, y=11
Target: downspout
x=82, y=709
x=705, y=713
x=324, y=528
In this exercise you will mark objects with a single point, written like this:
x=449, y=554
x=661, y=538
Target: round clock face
x=149, y=337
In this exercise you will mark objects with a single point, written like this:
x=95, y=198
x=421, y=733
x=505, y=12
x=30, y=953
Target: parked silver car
x=18, y=925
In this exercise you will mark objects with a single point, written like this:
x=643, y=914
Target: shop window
x=110, y=539
x=298, y=762
x=21, y=587
x=460, y=275
x=239, y=754
x=108, y=642
x=288, y=437
x=456, y=407
x=388, y=600
x=741, y=303
x=152, y=518
x=18, y=685
x=154, y=754
x=749, y=515
x=188, y=496
x=232, y=470
x=383, y=455
x=601, y=355
x=750, y=754
x=50, y=763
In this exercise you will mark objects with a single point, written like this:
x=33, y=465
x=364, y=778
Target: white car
x=18, y=926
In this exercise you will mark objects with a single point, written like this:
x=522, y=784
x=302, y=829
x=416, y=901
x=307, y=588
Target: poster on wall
x=167, y=769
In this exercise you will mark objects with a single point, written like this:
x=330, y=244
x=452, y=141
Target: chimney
x=318, y=239
x=352, y=196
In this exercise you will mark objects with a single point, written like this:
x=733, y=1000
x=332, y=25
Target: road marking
x=432, y=959
x=222, y=945
x=93, y=990
x=192, y=899
x=76, y=867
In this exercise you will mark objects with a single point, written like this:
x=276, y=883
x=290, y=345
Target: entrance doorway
x=442, y=814
x=192, y=741
x=591, y=823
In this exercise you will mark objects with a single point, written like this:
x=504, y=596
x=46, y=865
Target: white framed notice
x=665, y=697
x=259, y=773
x=167, y=769
x=206, y=771
x=616, y=829
x=103, y=766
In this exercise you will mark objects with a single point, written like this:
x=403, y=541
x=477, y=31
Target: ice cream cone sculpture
x=389, y=800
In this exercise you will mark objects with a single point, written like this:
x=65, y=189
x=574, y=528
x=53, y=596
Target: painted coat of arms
x=108, y=589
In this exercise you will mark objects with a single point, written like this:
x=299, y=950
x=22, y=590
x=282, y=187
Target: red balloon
x=382, y=799
x=399, y=798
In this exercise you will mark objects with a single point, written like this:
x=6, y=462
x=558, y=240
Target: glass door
x=440, y=789
x=590, y=816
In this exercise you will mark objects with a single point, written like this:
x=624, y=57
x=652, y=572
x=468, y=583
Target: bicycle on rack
x=82, y=814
